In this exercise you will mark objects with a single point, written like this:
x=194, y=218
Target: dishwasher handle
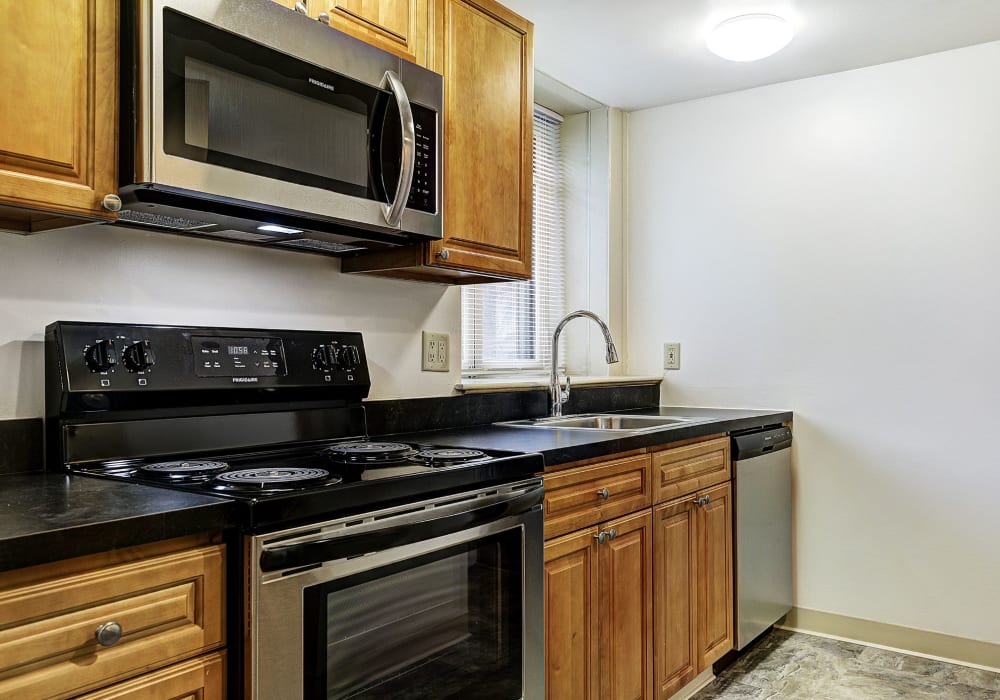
x=762, y=442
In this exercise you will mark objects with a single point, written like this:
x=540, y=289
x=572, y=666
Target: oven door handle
x=294, y=556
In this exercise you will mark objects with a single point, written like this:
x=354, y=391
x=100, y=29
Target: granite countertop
x=46, y=517
x=560, y=447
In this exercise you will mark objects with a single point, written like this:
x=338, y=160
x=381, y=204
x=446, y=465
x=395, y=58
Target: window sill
x=487, y=384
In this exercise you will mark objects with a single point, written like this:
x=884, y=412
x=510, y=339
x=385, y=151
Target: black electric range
x=269, y=418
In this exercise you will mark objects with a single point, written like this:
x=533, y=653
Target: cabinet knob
x=601, y=537
x=442, y=254
x=301, y=8
x=702, y=501
x=324, y=18
x=604, y=493
x=612, y=534
x=108, y=634
x=112, y=202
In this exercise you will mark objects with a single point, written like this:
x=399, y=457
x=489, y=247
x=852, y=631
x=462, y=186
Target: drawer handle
x=108, y=634
x=604, y=493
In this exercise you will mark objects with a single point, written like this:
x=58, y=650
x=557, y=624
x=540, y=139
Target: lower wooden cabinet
x=203, y=678
x=71, y=627
x=598, y=613
x=693, y=584
x=638, y=600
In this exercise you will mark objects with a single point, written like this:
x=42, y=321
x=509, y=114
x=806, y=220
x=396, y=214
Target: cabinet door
x=571, y=624
x=715, y=574
x=58, y=107
x=626, y=609
x=675, y=570
x=397, y=26
x=485, y=55
x=203, y=678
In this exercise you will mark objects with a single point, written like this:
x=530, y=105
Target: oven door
x=252, y=104
x=441, y=600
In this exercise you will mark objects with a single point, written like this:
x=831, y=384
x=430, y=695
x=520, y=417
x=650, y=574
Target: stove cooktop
x=331, y=479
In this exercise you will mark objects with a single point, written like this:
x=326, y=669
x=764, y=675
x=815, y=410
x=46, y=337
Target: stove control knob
x=349, y=357
x=325, y=358
x=139, y=356
x=101, y=356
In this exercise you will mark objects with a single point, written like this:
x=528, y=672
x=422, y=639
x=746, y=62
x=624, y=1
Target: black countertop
x=46, y=517
x=559, y=447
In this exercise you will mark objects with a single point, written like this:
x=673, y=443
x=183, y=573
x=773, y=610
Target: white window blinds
x=508, y=326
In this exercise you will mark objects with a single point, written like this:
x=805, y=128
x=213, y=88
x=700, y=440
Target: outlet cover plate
x=671, y=356
x=436, y=352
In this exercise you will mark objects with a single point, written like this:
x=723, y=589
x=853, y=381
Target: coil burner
x=275, y=478
x=183, y=470
x=448, y=456
x=369, y=453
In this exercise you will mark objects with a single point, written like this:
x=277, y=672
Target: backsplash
x=438, y=413
x=20, y=445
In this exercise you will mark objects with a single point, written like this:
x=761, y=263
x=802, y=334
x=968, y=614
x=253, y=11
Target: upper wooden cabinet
x=58, y=111
x=397, y=26
x=485, y=53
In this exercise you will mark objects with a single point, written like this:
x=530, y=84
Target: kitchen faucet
x=558, y=396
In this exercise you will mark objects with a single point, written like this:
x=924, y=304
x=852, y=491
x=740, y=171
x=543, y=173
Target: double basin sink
x=608, y=422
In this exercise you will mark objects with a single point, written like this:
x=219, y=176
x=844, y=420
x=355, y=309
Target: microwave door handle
x=294, y=556
x=394, y=211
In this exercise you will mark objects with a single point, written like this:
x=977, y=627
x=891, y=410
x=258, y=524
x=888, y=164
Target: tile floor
x=791, y=666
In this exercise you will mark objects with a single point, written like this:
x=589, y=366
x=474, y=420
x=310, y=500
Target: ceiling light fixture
x=274, y=228
x=749, y=37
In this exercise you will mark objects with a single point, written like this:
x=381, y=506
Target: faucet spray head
x=612, y=353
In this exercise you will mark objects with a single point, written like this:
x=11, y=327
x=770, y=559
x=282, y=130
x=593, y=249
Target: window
x=508, y=326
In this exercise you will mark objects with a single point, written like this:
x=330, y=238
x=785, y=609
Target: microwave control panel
x=423, y=192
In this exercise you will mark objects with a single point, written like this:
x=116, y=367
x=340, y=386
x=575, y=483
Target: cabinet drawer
x=687, y=469
x=574, y=498
x=203, y=678
x=169, y=607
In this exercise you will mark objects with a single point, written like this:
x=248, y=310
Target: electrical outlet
x=436, y=353
x=671, y=356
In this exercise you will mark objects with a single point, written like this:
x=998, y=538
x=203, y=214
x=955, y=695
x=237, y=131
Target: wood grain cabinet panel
x=686, y=469
x=675, y=607
x=571, y=617
x=715, y=575
x=58, y=111
x=585, y=496
x=626, y=604
x=203, y=678
x=169, y=607
x=400, y=27
x=485, y=53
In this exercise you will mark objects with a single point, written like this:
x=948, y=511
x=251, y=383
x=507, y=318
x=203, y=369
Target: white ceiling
x=642, y=53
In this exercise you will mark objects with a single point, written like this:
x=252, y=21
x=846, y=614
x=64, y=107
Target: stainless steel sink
x=614, y=423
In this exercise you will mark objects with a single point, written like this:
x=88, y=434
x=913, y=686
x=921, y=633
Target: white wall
x=832, y=245
x=96, y=273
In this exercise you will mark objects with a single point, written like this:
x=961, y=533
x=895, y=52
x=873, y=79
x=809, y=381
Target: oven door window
x=446, y=625
x=231, y=102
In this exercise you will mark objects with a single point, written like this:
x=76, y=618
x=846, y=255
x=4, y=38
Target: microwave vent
x=169, y=223
x=234, y=235
x=321, y=246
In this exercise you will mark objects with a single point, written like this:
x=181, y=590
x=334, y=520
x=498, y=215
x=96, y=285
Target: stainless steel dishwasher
x=762, y=478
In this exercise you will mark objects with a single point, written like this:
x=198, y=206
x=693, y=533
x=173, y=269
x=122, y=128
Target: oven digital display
x=238, y=357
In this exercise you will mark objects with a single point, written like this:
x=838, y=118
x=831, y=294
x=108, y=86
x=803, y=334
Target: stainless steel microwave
x=247, y=121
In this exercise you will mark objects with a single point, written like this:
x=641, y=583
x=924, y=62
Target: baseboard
x=932, y=645
x=692, y=688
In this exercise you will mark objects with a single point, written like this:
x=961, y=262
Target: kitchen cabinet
x=693, y=584
x=598, y=619
x=203, y=678
x=485, y=53
x=59, y=111
x=75, y=626
x=397, y=26
x=639, y=600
